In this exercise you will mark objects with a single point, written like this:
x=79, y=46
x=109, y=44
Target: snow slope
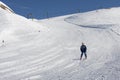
x=49, y=49
x=4, y=6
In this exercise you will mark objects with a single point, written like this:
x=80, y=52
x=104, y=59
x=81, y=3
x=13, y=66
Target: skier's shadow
x=76, y=59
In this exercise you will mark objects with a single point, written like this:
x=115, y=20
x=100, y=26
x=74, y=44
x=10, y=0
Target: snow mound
x=101, y=19
x=102, y=16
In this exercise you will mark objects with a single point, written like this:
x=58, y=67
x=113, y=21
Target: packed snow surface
x=50, y=49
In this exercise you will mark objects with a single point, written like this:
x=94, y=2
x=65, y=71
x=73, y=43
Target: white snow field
x=49, y=49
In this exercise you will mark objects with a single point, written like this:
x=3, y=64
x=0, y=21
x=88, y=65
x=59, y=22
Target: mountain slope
x=5, y=7
x=49, y=49
x=102, y=40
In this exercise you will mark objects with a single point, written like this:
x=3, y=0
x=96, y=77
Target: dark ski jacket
x=83, y=48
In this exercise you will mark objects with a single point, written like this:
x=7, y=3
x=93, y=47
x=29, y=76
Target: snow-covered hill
x=5, y=7
x=49, y=49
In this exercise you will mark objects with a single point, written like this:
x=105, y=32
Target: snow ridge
x=5, y=7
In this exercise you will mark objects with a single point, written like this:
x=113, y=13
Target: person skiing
x=83, y=49
x=3, y=41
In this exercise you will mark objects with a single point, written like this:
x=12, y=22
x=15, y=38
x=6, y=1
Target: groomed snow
x=49, y=49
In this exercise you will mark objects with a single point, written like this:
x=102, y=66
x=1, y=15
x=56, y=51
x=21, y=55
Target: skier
x=3, y=41
x=83, y=49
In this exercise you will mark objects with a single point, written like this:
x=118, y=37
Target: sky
x=41, y=9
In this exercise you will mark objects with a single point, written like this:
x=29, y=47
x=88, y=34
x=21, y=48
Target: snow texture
x=49, y=49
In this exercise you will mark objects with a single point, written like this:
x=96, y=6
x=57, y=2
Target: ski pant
x=84, y=54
